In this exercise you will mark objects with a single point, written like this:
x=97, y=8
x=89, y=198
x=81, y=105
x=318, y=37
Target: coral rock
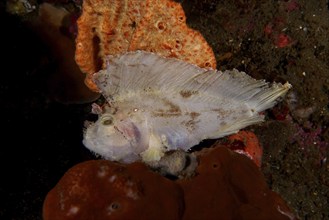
x=100, y=189
x=108, y=27
x=230, y=186
x=246, y=142
x=226, y=185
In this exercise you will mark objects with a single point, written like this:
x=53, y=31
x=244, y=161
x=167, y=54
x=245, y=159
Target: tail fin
x=268, y=97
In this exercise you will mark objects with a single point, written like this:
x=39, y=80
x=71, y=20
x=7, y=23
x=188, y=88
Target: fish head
x=114, y=139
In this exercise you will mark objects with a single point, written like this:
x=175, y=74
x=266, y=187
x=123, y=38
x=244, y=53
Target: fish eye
x=107, y=120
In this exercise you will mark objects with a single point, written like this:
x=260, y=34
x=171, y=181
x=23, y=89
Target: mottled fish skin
x=157, y=104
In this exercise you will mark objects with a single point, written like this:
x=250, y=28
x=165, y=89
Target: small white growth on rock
x=73, y=210
x=131, y=194
x=102, y=172
x=112, y=178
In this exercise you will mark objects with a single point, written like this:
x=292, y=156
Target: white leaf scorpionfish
x=157, y=104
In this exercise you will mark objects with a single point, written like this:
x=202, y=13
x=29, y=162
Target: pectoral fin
x=155, y=150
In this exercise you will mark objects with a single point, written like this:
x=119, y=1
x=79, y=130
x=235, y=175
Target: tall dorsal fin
x=145, y=71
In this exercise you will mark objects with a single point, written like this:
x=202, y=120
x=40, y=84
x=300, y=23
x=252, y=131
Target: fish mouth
x=129, y=131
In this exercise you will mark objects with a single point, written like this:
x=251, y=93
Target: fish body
x=158, y=104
